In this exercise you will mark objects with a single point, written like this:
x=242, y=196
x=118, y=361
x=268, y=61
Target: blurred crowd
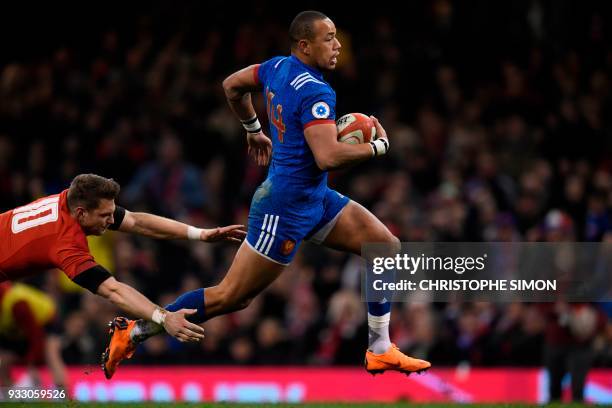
x=500, y=130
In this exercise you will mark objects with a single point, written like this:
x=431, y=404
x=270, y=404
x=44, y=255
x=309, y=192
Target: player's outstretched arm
x=155, y=226
x=135, y=303
x=331, y=154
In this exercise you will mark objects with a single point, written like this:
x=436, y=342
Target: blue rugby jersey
x=296, y=97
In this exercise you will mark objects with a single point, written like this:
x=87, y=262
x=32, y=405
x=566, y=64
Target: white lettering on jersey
x=35, y=214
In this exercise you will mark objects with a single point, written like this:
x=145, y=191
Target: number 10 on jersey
x=275, y=115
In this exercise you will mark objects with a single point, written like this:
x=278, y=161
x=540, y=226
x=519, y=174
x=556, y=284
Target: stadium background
x=498, y=114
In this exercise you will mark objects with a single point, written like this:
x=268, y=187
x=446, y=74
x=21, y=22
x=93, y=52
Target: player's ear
x=79, y=212
x=304, y=47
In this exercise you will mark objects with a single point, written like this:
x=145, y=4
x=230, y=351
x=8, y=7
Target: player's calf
x=222, y=299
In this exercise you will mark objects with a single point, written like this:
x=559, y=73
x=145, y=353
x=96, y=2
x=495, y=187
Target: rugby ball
x=355, y=128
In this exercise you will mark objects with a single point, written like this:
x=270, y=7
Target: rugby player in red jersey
x=51, y=233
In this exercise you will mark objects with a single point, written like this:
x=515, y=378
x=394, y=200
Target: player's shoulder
x=275, y=62
x=38, y=203
x=70, y=236
x=22, y=218
x=305, y=82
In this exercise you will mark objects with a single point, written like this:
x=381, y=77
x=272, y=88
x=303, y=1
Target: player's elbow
x=230, y=88
x=227, y=84
x=326, y=162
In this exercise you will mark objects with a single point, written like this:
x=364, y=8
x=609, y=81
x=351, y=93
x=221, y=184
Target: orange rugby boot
x=393, y=359
x=120, y=346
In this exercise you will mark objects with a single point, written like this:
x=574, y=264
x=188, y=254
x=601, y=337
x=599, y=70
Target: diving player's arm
x=99, y=281
x=331, y=154
x=238, y=88
x=73, y=257
x=154, y=226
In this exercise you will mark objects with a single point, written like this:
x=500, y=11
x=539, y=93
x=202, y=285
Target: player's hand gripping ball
x=355, y=128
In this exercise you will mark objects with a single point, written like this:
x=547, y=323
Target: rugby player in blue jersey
x=294, y=203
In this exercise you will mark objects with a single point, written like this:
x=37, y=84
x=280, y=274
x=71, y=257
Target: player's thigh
x=356, y=226
x=249, y=274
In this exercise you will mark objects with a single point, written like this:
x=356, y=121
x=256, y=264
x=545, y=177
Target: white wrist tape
x=159, y=316
x=194, y=233
x=379, y=146
x=252, y=125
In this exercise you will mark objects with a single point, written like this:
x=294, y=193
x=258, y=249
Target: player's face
x=325, y=46
x=96, y=221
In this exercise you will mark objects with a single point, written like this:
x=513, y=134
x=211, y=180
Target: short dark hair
x=87, y=190
x=302, y=26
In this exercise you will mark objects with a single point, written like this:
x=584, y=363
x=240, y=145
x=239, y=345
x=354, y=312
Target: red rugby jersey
x=40, y=236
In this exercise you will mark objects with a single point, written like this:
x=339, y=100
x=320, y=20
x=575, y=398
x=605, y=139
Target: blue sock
x=190, y=300
x=379, y=309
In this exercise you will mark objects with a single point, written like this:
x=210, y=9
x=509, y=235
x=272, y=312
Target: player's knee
x=244, y=303
x=236, y=303
x=384, y=235
x=393, y=243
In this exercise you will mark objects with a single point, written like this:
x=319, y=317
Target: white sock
x=143, y=329
x=378, y=333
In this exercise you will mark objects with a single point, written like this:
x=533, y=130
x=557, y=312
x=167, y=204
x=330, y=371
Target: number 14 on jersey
x=275, y=115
